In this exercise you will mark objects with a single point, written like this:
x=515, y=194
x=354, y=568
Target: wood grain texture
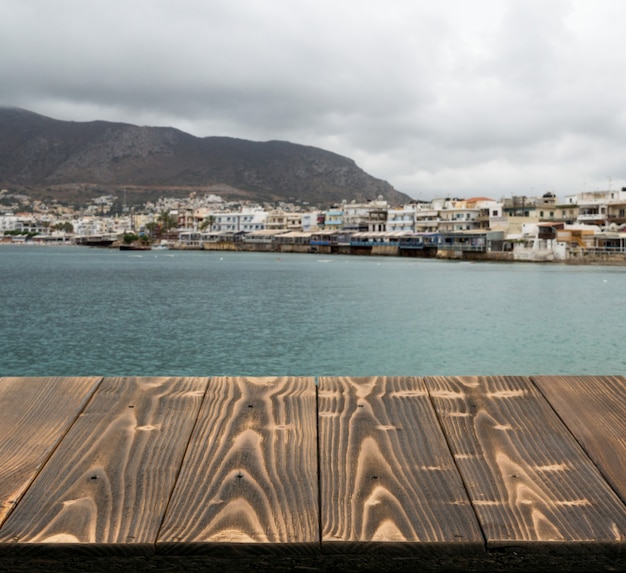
x=594, y=409
x=108, y=482
x=388, y=478
x=529, y=480
x=250, y=475
x=34, y=415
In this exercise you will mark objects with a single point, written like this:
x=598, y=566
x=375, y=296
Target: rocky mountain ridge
x=74, y=161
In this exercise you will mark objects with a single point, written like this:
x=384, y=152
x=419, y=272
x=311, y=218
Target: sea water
x=68, y=311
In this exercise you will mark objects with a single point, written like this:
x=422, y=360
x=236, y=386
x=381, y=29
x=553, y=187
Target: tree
x=167, y=221
x=129, y=238
x=65, y=226
x=208, y=222
x=152, y=229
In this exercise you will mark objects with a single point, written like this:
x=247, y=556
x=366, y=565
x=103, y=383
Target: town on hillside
x=586, y=227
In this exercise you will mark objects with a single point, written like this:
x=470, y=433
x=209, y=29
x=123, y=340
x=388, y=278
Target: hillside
x=75, y=161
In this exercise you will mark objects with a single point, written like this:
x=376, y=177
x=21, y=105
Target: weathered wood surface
x=249, y=478
x=594, y=409
x=387, y=476
x=108, y=482
x=529, y=481
x=151, y=470
x=34, y=415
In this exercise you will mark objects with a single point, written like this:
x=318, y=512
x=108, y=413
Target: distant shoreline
x=590, y=259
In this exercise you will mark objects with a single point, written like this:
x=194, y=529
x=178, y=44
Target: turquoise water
x=80, y=311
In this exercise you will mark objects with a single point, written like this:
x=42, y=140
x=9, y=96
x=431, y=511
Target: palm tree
x=208, y=222
x=167, y=221
x=151, y=229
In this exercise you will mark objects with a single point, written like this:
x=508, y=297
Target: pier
x=434, y=473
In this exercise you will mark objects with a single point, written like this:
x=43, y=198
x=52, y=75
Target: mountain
x=75, y=161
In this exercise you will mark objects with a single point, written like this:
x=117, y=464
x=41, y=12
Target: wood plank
x=249, y=478
x=109, y=480
x=594, y=409
x=529, y=480
x=388, y=479
x=34, y=415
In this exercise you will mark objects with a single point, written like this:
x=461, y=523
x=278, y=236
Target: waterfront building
x=23, y=223
x=185, y=217
x=8, y=222
x=546, y=207
x=567, y=212
x=262, y=240
x=226, y=222
x=602, y=208
x=427, y=217
x=252, y=219
x=401, y=218
x=312, y=221
x=464, y=215
x=333, y=219
x=365, y=217
x=617, y=215
x=294, y=221
x=276, y=220
x=462, y=243
x=538, y=243
x=550, y=210
x=489, y=211
x=520, y=206
x=91, y=225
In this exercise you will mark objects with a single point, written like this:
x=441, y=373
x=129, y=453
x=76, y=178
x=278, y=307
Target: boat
x=96, y=240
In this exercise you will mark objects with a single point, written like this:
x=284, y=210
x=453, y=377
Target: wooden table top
x=299, y=467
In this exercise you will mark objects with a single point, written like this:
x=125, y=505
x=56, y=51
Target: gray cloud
x=490, y=97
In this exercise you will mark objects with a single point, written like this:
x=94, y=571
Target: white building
x=600, y=207
x=252, y=219
x=370, y=216
x=427, y=217
x=312, y=221
x=401, y=219
x=8, y=222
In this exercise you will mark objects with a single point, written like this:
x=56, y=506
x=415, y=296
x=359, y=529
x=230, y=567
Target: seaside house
x=8, y=222
x=464, y=243
x=401, y=219
x=459, y=215
x=489, y=211
x=227, y=222
x=312, y=221
x=294, y=221
x=276, y=220
x=617, y=215
x=520, y=206
x=427, y=216
x=540, y=242
x=252, y=219
x=333, y=219
x=370, y=216
x=568, y=212
x=601, y=208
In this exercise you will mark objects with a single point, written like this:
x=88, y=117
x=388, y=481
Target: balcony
x=591, y=217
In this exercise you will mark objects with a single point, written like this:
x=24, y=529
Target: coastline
x=581, y=258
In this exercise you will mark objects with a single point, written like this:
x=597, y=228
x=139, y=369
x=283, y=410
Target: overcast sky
x=438, y=97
